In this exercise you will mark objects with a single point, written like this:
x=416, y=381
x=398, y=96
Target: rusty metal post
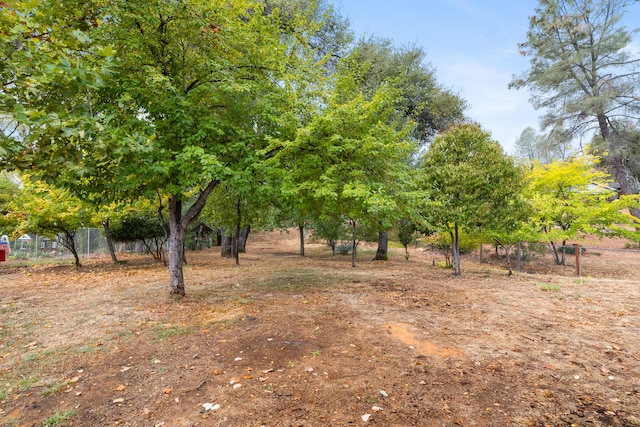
x=578, y=266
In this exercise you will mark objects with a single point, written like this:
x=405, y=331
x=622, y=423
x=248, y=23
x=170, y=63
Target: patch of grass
x=13, y=422
x=315, y=353
x=42, y=358
x=30, y=357
x=4, y=393
x=53, y=388
x=550, y=288
x=60, y=417
x=89, y=348
x=26, y=383
x=296, y=280
x=161, y=332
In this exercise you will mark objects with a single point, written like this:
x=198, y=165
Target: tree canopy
x=582, y=71
x=189, y=85
x=468, y=183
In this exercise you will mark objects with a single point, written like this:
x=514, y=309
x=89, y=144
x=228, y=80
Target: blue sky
x=472, y=44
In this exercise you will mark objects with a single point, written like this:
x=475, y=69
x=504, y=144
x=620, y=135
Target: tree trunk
x=176, y=247
x=244, y=235
x=554, y=252
x=507, y=251
x=301, y=230
x=225, y=247
x=236, y=237
x=354, y=244
x=455, y=244
x=332, y=244
x=219, y=236
x=107, y=235
x=383, y=247
x=615, y=162
x=68, y=242
x=177, y=228
x=234, y=248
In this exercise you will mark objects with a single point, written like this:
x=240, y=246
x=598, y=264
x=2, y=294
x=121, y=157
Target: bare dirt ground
x=286, y=341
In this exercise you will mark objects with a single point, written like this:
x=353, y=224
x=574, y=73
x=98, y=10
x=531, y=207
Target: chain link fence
x=89, y=242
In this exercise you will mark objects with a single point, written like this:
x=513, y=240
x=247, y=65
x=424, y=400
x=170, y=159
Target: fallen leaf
x=216, y=372
x=121, y=387
x=247, y=377
x=125, y=368
x=167, y=390
x=119, y=400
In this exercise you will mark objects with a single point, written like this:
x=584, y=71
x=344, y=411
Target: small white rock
x=237, y=385
x=611, y=377
x=211, y=406
x=376, y=408
x=383, y=393
x=576, y=377
x=308, y=369
x=366, y=417
x=237, y=359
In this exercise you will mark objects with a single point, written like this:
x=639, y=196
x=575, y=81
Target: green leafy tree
x=51, y=212
x=468, y=183
x=406, y=233
x=512, y=226
x=147, y=97
x=9, y=192
x=582, y=71
x=345, y=161
x=331, y=229
x=144, y=227
x=423, y=103
x=572, y=199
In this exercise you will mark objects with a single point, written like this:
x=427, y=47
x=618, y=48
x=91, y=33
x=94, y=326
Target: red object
x=2, y=255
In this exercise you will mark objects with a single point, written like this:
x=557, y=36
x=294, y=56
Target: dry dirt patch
x=281, y=340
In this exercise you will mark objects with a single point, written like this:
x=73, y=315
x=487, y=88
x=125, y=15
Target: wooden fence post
x=578, y=266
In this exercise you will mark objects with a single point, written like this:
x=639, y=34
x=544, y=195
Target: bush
x=571, y=250
x=344, y=248
x=531, y=251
